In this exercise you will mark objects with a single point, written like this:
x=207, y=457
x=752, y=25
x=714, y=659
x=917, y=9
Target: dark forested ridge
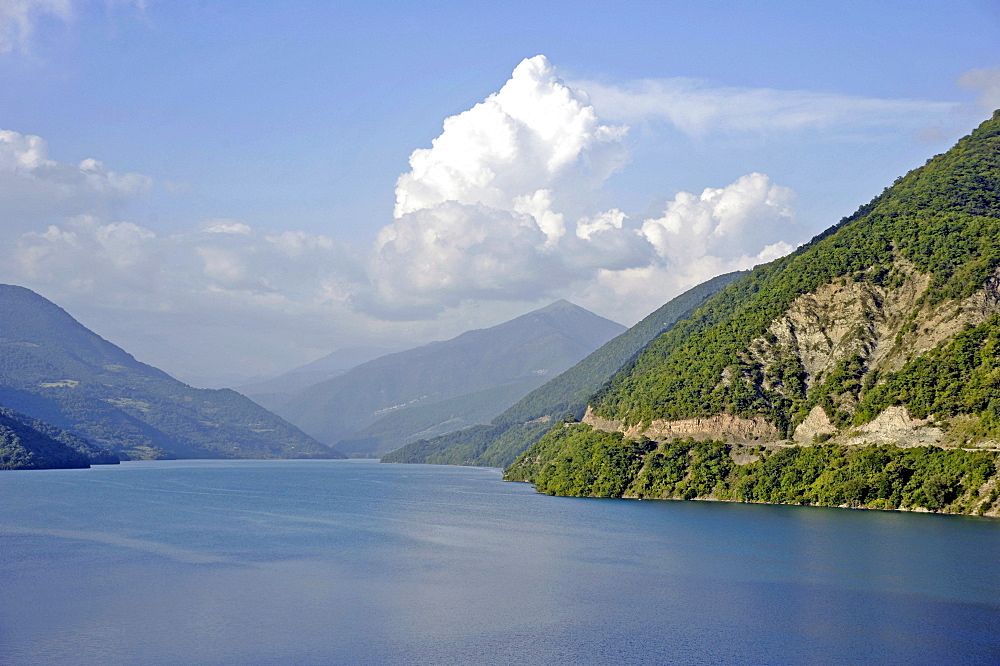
x=513, y=357
x=56, y=370
x=94, y=454
x=28, y=444
x=516, y=428
x=23, y=447
x=873, y=348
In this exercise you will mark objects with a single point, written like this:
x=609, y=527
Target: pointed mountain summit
x=520, y=425
x=54, y=369
x=380, y=405
x=883, y=330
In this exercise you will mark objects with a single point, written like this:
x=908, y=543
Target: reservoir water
x=353, y=562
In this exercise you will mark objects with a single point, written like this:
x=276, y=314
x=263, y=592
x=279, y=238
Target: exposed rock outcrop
x=884, y=325
x=895, y=426
x=721, y=426
x=816, y=425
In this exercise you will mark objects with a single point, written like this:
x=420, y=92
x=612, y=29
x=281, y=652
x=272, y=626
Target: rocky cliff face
x=881, y=326
x=721, y=426
x=885, y=325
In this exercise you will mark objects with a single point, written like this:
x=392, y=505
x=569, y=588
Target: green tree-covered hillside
x=24, y=447
x=897, y=306
x=54, y=369
x=96, y=455
x=574, y=459
x=941, y=221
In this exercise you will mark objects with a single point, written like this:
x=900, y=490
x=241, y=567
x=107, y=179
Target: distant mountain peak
x=523, y=351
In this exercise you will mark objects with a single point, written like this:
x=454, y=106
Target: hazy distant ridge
x=519, y=426
x=511, y=358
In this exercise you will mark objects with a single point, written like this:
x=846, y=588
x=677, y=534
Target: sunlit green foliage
x=577, y=460
x=961, y=376
x=942, y=217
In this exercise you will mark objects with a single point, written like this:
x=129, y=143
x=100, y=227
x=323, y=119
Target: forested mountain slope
x=882, y=330
x=54, y=369
x=517, y=428
x=23, y=446
x=94, y=454
x=514, y=357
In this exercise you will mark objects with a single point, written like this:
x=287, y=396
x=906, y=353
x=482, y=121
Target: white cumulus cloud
x=484, y=212
x=724, y=222
x=534, y=134
x=697, y=237
x=508, y=205
x=505, y=205
x=34, y=187
x=439, y=256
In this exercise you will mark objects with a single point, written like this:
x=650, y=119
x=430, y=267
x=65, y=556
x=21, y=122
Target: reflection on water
x=356, y=562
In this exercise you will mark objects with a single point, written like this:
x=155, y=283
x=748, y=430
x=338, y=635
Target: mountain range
x=384, y=403
x=519, y=426
x=54, y=369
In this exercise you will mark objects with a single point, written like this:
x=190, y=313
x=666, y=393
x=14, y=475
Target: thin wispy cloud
x=986, y=81
x=697, y=107
x=20, y=18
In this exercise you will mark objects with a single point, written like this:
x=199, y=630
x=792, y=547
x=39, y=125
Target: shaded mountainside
x=94, y=454
x=23, y=447
x=882, y=330
x=430, y=421
x=518, y=354
x=514, y=430
x=278, y=390
x=27, y=443
x=56, y=370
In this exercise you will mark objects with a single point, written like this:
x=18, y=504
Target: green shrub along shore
x=577, y=460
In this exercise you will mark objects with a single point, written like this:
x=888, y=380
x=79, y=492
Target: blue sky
x=241, y=220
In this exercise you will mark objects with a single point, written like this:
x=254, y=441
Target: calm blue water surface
x=353, y=562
